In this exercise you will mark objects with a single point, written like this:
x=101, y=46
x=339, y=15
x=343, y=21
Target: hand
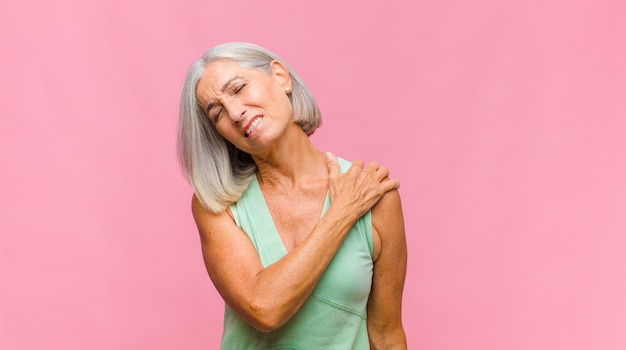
x=358, y=189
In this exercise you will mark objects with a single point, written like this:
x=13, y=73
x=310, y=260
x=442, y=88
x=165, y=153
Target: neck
x=291, y=162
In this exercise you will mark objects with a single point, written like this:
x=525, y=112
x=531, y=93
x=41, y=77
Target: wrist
x=341, y=217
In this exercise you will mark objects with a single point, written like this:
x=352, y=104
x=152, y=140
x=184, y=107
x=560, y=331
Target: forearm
x=280, y=289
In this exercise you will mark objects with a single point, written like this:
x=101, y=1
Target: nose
x=235, y=110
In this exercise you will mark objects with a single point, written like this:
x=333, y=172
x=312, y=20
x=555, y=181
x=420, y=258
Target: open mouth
x=252, y=126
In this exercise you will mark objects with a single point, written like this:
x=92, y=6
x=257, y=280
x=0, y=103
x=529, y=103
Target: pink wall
x=506, y=124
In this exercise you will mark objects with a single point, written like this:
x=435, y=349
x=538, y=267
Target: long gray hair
x=219, y=172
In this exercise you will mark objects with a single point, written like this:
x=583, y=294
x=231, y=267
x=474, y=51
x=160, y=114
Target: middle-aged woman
x=306, y=249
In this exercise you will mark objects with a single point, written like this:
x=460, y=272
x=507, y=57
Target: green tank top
x=334, y=315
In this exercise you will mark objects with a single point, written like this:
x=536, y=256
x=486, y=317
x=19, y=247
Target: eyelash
x=238, y=88
x=217, y=114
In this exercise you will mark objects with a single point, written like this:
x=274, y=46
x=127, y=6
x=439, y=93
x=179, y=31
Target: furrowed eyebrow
x=226, y=84
x=224, y=87
x=209, y=106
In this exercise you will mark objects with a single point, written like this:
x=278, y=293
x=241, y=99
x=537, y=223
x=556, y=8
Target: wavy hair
x=218, y=172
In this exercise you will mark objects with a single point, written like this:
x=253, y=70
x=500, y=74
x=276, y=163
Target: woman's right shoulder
x=206, y=218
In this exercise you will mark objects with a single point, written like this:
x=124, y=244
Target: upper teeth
x=253, y=125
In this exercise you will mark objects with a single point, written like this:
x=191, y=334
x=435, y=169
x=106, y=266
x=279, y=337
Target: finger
x=333, y=164
x=373, y=166
x=382, y=172
x=357, y=165
x=390, y=184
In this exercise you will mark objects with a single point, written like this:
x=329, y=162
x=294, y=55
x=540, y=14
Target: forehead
x=220, y=68
x=217, y=75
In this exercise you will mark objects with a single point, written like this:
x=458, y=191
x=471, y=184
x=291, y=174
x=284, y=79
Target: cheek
x=225, y=129
x=288, y=106
x=273, y=97
x=282, y=103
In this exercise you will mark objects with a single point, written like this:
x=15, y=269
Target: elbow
x=386, y=337
x=265, y=312
x=264, y=326
x=266, y=318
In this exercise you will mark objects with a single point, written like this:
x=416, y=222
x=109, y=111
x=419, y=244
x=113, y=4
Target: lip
x=248, y=124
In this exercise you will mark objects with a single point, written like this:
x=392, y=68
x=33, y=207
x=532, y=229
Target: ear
x=280, y=72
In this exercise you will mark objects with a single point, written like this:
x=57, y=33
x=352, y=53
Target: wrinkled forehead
x=219, y=70
x=216, y=74
x=220, y=73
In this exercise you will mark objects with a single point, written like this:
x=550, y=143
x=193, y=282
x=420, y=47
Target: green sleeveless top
x=334, y=315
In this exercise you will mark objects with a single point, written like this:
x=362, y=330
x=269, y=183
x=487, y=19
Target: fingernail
x=329, y=156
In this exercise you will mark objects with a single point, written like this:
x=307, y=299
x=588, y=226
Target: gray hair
x=218, y=172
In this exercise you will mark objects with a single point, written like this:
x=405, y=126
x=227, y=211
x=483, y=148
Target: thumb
x=333, y=164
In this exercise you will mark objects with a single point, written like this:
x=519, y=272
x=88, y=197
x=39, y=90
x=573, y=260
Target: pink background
x=505, y=122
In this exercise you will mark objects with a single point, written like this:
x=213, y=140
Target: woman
x=307, y=251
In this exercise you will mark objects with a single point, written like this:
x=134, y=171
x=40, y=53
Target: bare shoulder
x=388, y=212
x=219, y=234
x=208, y=221
x=389, y=201
x=198, y=210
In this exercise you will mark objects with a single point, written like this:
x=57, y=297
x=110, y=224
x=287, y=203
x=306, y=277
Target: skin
x=291, y=170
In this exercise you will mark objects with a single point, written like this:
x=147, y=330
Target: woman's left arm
x=384, y=308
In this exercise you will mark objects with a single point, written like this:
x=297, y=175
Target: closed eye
x=217, y=115
x=238, y=88
x=213, y=112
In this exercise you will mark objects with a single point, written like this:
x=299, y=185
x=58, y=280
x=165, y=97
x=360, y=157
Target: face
x=250, y=108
